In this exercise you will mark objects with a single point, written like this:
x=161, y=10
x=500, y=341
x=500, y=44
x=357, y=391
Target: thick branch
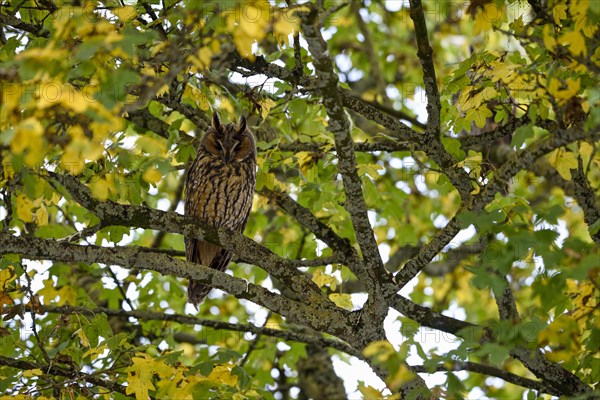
x=339, y=126
x=367, y=147
x=138, y=257
x=145, y=120
x=425, y=316
x=112, y=213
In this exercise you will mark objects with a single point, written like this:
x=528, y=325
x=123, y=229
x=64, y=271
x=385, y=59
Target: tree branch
x=16, y=23
x=585, y=198
x=55, y=370
x=397, y=129
x=316, y=340
x=488, y=370
x=112, y=213
x=311, y=313
x=553, y=374
x=310, y=222
x=425, y=54
x=521, y=160
x=339, y=126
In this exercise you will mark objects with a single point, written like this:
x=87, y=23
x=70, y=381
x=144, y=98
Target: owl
x=219, y=189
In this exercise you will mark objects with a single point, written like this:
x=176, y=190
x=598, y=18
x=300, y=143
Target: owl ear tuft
x=216, y=122
x=241, y=125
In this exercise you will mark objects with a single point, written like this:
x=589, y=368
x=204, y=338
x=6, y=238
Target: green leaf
x=453, y=146
x=521, y=134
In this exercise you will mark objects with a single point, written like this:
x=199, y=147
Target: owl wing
x=208, y=255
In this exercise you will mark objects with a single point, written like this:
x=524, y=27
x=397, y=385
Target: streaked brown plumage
x=219, y=189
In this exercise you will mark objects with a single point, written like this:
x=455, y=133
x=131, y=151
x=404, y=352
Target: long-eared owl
x=219, y=190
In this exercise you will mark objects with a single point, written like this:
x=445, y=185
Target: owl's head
x=229, y=143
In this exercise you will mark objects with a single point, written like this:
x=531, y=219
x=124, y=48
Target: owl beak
x=227, y=157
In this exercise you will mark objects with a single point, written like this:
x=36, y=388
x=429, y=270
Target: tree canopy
x=432, y=161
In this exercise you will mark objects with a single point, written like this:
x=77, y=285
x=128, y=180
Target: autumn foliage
x=431, y=164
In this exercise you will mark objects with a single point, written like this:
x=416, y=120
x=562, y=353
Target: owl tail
x=197, y=292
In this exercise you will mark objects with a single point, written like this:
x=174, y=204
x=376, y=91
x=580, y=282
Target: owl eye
x=219, y=145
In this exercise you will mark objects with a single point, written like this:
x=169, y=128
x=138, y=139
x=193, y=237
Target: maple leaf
x=139, y=378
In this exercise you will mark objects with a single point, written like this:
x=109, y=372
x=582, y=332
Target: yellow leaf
x=164, y=89
x=29, y=136
x=559, y=12
x=9, y=169
x=71, y=160
x=154, y=50
x=151, y=145
x=252, y=26
x=370, y=170
x=95, y=352
x=41, y=216
x=24, y=206
x=67, y=295
x=125, y=13
x=222, y=375
x=563, y=161
x=369, y=392
x=48, y=291
x=575, y=42
x=197, y=96
x=139, y=377
x=583, y=23
x=92, y=151
x=283, y=28
x=265, y=107
x=548, y=36
x=243, y=43
x=586, y=149
x=479, y=115
x=205, y=55
x=26, y=131
x=100, y=188
x=82, y=338
x=382, y=349
x=401, y=376
x=32, y=372
x=163, y=370
x=482, y=23
x=152, y=175
x=321, y=279
x=342, y=300
x=7, y=275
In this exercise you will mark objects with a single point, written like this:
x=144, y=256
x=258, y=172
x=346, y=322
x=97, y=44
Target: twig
x=56, y=370
x=84, y=233
x=490, y=371
x=317, y=340
x=309, y=221
x=254, y=342
x=425, y=54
